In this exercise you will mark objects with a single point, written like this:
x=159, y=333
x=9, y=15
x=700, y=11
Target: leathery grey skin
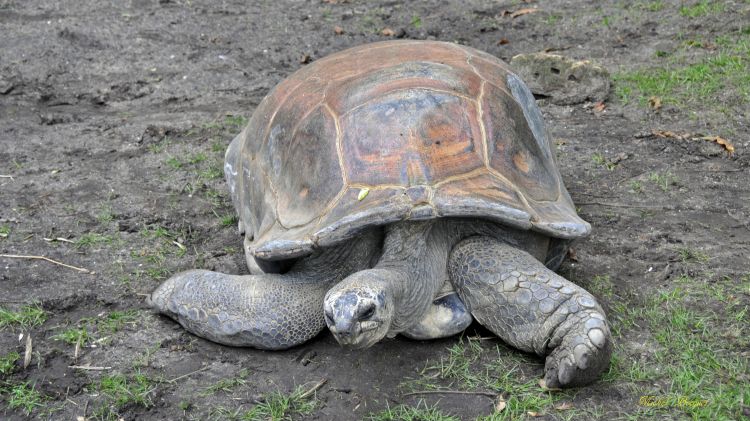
x=533, y=309
x=268, y=311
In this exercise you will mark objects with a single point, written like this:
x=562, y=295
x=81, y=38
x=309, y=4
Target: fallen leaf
x=503, y=41
x=572, y=256
x=305, y=59
x=521, y=12
x=338, y=30
x=654, y=102
x=533, y=414
x=500, y=404
x=564, y=406
x=721, y=141
x=599, y=107
x=363, y=193
x=388, y=32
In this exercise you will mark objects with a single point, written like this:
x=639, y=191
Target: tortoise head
x=359, y=310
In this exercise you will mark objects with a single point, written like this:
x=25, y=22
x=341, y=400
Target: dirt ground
x=114, y=117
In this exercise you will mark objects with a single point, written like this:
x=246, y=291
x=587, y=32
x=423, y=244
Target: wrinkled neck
x=415, y=255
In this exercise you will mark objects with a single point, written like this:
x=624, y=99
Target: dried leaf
x=564, y=406
x=599, y=107
x=533, y=414
x=363, y=193
x=305, y=59
x=338, y=30
x=503, y=41
x=721, y=141
x=500, y=404
x=521, y=12
x=654, y=102
x=388, y=32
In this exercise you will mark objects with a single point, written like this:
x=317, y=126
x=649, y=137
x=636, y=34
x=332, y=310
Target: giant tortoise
x=403, y=187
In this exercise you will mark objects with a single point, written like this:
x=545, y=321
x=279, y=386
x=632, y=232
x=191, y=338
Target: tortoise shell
x=392, y=131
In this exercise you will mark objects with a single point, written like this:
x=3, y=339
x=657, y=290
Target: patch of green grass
x=601, y=286
x=693, y=85
x=160, y=146
x=280, y=406
x=74, y=335
x=235, y=121
x=651, y=6
x=92, y=239
x=227, y=385
x=688, y=255
x=636, y=186
x=105, y=215
x=229, y=220
x=27, y=317
x=470, y=366
x=174, y=162
x=552, y=19
x=602, y=161
x=121, y=390
x=663, y=180
x=23, y=396
x=8, y=362
x=211, y=173
x=411, y=413
x=693, y=367
x=416, y=22
x=197, y=158
x=4, y=231
x=114, y=321
x=702, y=8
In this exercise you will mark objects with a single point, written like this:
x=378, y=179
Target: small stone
x=563, y=80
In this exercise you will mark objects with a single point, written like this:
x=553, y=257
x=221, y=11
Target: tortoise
x=400, y=187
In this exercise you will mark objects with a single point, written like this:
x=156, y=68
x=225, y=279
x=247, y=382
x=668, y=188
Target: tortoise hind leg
x=531, y=308
x=446, y=316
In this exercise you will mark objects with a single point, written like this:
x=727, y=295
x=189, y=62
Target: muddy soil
x=114, y=117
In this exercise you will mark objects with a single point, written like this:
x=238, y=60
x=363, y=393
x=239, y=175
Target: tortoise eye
x=368, y=313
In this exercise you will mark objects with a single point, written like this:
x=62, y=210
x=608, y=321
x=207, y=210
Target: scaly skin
x=268, y=311
x=533, y=309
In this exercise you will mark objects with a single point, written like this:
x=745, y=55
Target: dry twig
x=18, y=256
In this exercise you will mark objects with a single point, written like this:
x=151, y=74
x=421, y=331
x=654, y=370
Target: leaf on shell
x=363, y=193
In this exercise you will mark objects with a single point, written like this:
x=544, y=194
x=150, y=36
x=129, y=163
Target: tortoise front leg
x=266, y=311
x=533, y=309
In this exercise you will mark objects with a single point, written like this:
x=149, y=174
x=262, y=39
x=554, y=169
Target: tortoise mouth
x=359, y=336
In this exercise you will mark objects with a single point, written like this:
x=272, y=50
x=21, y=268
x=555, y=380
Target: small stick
x=17, y=256
x=88, y=367
x=313, y=389
x=6, y=176
x=188, y=374
x=452, y=392
x=27, y=354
